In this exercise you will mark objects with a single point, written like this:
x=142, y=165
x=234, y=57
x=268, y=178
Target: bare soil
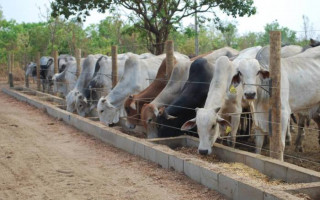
x=43, y=158
x=310, y=158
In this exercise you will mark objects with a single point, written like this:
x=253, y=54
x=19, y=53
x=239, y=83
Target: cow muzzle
x=203, y=152
x=250, y=95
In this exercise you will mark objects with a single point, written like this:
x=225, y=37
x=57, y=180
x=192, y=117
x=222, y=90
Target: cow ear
x=188, y=125
x=50, y=61
x=133, y=105
x=264, y=73
x=236, y=80
x=223, y=123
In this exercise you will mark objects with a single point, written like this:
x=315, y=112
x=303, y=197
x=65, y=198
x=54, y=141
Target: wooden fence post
x=169, y=58
x=11, y=67
x=276, y=146
x=114, y=54
x=78, y=58
x=55, y=58
x=26, y=77
x=38, y=71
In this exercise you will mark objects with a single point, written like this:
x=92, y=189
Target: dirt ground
x=42, y=158
x=310, y=158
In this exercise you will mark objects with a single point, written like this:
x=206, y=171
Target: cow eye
x=213, y=126
x=101, y=111
x=149, y=121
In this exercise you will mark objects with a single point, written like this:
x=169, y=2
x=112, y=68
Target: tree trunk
x=157, y=48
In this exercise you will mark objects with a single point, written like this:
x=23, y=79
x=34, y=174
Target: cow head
x=108, y=113
x=207, y=122
x=82, y=105
x=247, y=74
x=31, y=69
x=71, y=100
x=149, y=113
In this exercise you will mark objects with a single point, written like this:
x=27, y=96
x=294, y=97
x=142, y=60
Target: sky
x=287, y=12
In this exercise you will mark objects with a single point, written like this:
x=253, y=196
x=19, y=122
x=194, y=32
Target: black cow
x=194, y=94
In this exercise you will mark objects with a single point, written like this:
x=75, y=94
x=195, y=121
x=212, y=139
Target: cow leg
x=235, y=121
x=288, y=135
x=259, y=139
x=249, y=128
x=242, y=125
x=301, y=134
x=285, y=118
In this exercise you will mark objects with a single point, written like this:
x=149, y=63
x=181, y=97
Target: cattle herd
x=204, y=96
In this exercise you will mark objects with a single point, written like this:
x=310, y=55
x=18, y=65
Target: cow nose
x=203, y=152
x=132, y=126
x=250, y=95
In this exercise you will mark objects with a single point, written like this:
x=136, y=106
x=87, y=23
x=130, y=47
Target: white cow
x=173, y=89
x=86, y=75
x=300, y=85
x=219, y=102
x=138, y=74
x=101, y=83
x=31, y=70
x=65, y=80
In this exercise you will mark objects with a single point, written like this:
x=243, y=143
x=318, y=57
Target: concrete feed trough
x=276, y=180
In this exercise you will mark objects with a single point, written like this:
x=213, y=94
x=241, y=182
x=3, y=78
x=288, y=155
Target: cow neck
x=218, y=87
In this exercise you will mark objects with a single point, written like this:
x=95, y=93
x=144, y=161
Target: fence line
x=264, y=149
x=188, y=108
x=225, y=138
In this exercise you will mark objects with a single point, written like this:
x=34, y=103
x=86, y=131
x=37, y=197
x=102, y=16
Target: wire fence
x=148, y=100
x=223, y=138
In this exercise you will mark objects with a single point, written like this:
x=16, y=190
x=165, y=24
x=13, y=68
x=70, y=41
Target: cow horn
x=170, y=117
x=133, y=105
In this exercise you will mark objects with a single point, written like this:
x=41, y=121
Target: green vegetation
x=154, y=19
x=25, y=39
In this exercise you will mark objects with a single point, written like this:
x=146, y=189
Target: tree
x=153, y=18
x=287, y=36
x=307, y=30
x=248, y=40
x=229, y=31
x=1, y=13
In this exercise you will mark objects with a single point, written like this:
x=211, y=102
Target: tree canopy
x=154, y=19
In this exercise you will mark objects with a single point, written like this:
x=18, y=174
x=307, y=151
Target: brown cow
x=134, y=103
